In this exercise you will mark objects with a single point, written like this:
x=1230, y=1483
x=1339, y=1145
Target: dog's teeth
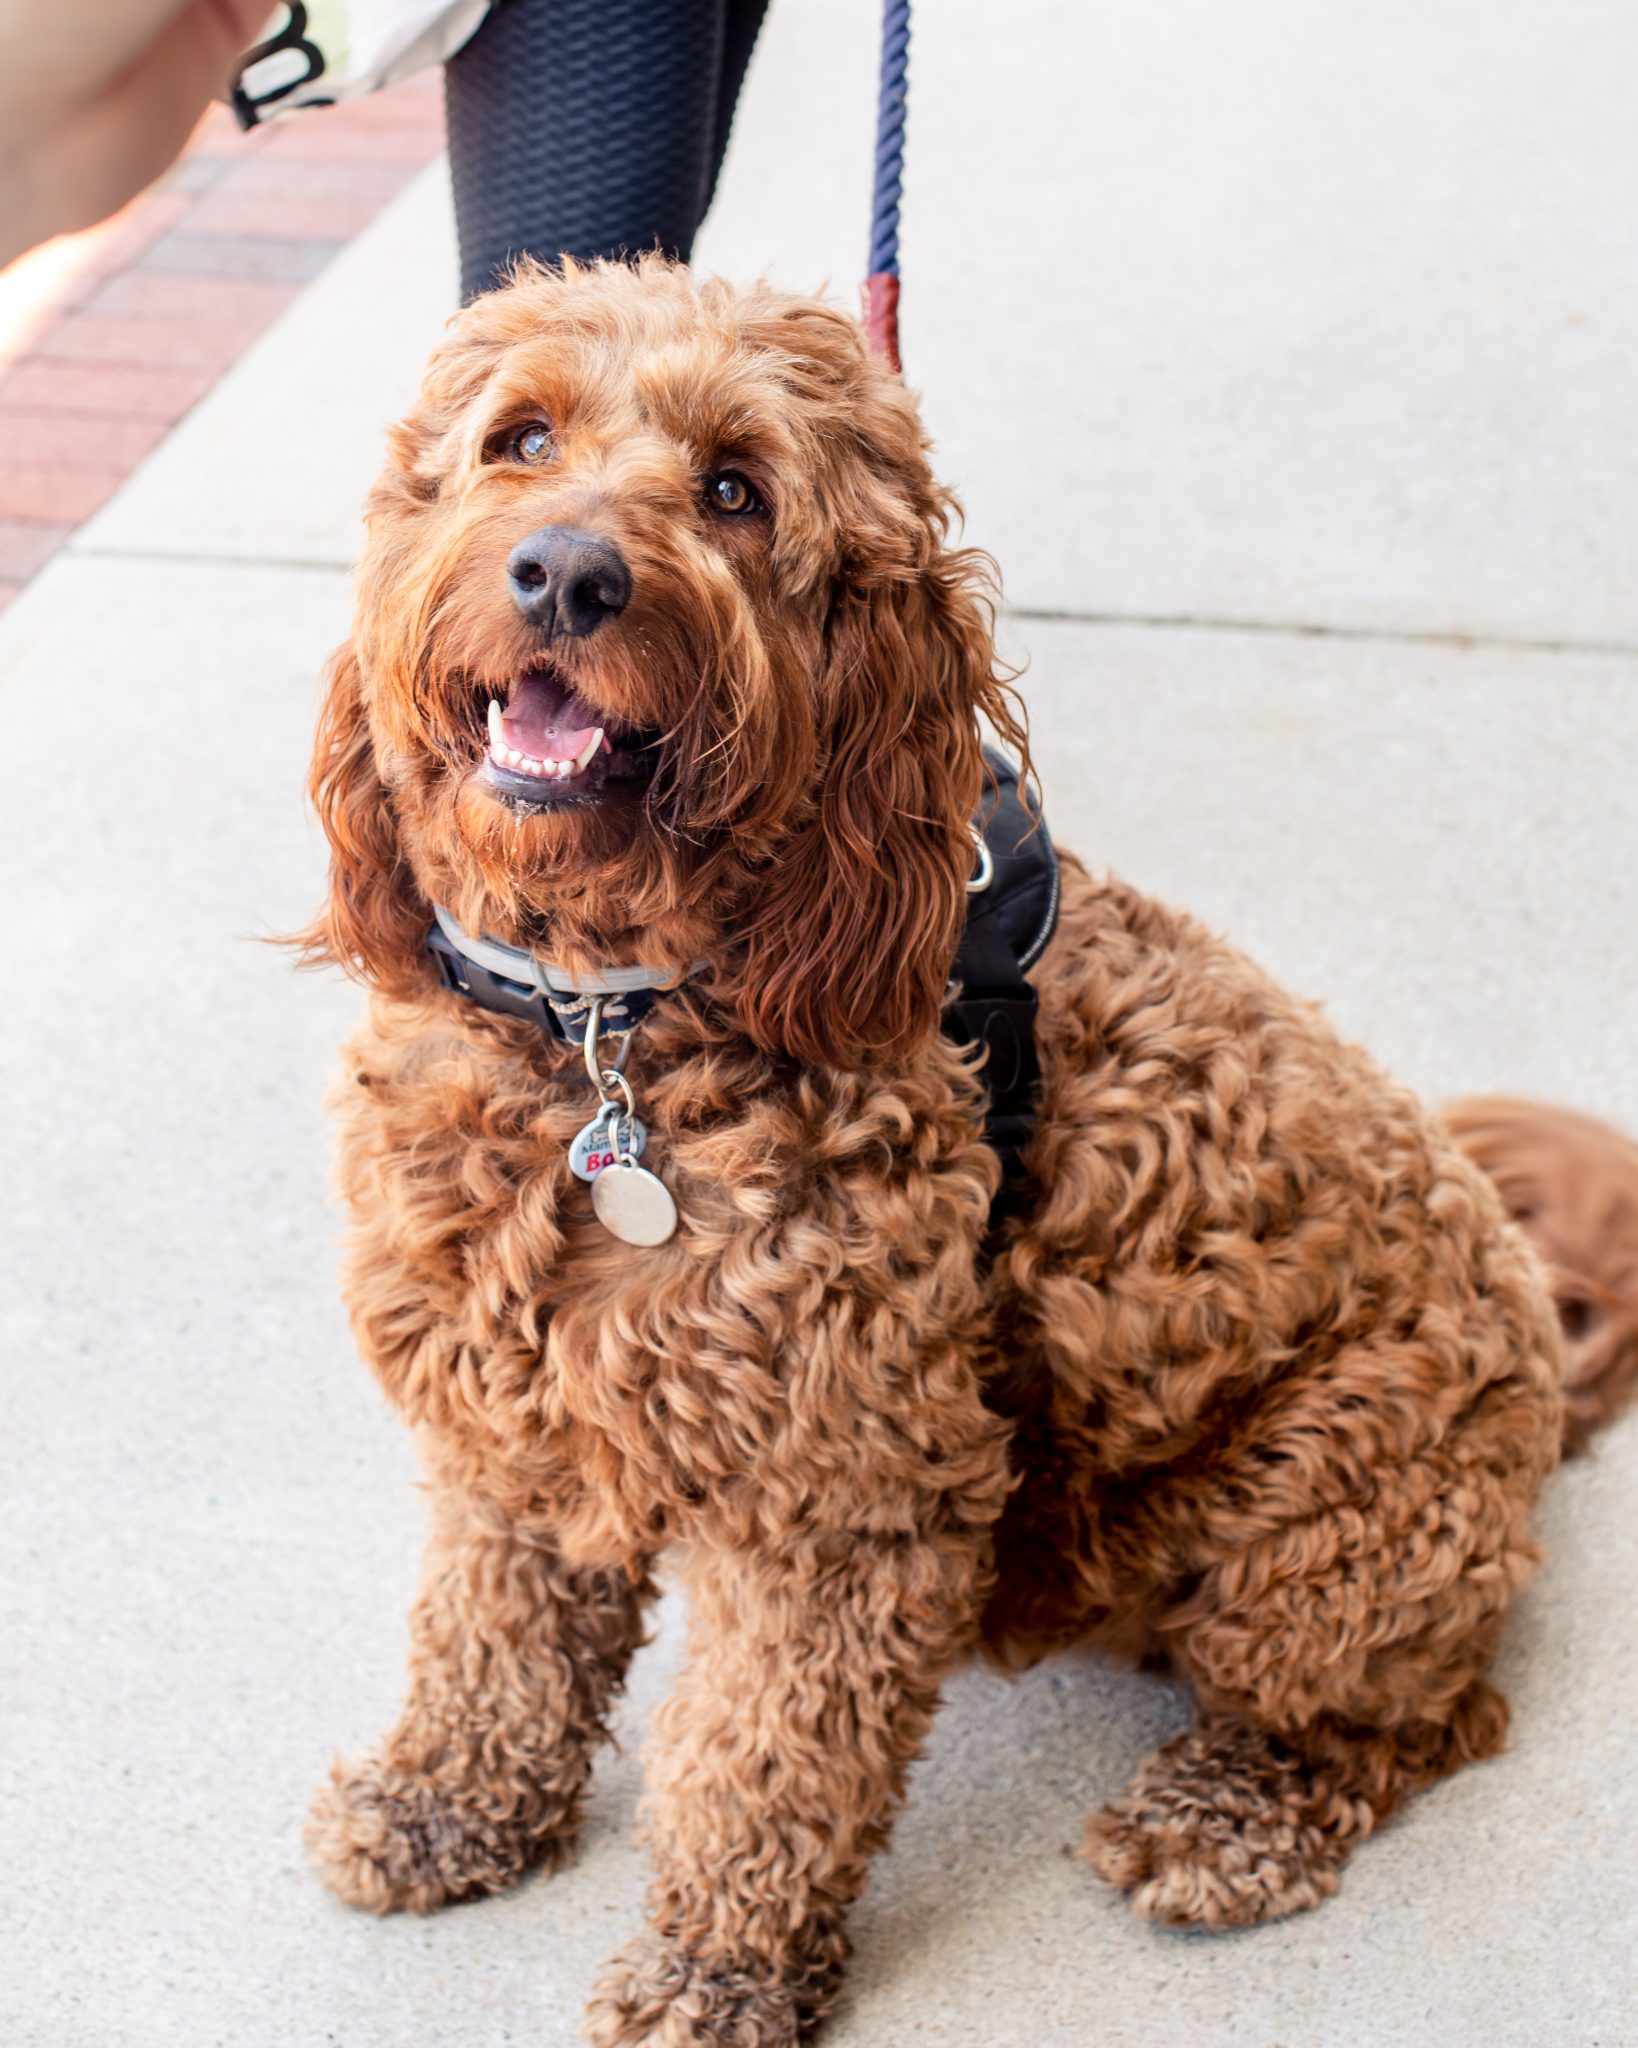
x=558, y=770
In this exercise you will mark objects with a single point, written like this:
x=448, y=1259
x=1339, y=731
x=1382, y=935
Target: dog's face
x=660, y=653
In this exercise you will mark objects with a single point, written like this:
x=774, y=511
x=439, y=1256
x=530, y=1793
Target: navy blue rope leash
x=881, y=289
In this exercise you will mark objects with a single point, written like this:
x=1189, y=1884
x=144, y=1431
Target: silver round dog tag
x=609, y=1134
x=633, y=1204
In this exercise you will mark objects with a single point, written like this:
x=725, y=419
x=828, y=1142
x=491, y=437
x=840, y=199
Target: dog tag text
x=600, y=1143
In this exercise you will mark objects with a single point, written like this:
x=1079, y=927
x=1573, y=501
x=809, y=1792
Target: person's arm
x=97, y=98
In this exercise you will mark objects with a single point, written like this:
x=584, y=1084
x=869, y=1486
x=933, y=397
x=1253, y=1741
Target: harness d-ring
x=986, y=864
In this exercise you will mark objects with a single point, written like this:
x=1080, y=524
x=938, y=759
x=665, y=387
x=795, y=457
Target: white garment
x=330, y=50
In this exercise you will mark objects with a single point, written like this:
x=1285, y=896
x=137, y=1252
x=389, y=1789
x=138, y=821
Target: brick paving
x=54, y=495
x=79, y=440
x=44, y=383
x=176, y=291
x=27, y=545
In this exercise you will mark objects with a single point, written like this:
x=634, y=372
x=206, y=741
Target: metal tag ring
x=611, y=1077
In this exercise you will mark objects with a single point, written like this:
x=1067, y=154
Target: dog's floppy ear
x=852, y=938
x=374, y=921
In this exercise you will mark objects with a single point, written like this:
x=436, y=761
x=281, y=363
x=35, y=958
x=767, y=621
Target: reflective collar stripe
x=515, y=964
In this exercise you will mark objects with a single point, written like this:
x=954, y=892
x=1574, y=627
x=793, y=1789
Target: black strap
x=1008, y=926
x=1002, y=1021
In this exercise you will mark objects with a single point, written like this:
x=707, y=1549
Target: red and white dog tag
x=611, y=1133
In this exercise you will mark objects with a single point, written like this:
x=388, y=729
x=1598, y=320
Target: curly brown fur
x=515, y=1658
x=657, y=1994
x=1235, y=1824
x=1262, y=1385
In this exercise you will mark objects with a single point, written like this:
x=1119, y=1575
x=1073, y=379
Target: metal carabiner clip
x=605, y=1077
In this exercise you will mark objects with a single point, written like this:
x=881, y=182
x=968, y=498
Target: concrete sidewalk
x=1289, y=363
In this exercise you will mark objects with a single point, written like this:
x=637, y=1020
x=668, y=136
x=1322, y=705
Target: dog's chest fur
x=621, y=1390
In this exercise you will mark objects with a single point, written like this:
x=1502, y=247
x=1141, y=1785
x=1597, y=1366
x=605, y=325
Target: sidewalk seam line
x=1409, y=636
x=197, y=559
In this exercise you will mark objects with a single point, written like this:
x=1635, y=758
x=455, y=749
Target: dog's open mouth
x=548, y=746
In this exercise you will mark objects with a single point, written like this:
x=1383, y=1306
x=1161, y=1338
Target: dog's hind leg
x=1337, y=1664
x=515, y=1659
x=1350, y=1543
x=1235, y=1824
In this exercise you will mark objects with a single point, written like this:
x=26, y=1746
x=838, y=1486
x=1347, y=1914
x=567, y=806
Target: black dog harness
x=1012, y=909
x=1012, y=912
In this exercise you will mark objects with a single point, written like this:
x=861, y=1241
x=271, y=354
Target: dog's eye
x=728, y=491
x=531, y=443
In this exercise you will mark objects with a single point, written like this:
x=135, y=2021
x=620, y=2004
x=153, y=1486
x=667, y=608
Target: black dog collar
x=516, y=983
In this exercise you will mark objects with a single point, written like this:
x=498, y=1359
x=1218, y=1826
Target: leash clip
x=603, y=1078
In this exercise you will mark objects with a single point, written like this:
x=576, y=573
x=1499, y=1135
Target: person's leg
x=741, y=24
x=591, y=127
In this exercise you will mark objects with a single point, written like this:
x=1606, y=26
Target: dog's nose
x=568, y=582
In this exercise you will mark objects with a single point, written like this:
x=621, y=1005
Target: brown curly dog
x=1262, y=1383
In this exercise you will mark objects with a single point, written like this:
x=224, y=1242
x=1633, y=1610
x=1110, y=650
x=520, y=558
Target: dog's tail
x=1572, y=1183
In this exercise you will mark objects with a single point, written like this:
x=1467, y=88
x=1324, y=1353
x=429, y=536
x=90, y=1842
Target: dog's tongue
x=546, y=720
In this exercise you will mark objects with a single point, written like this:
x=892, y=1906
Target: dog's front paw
x=391, y=1842
x=656, y=1996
